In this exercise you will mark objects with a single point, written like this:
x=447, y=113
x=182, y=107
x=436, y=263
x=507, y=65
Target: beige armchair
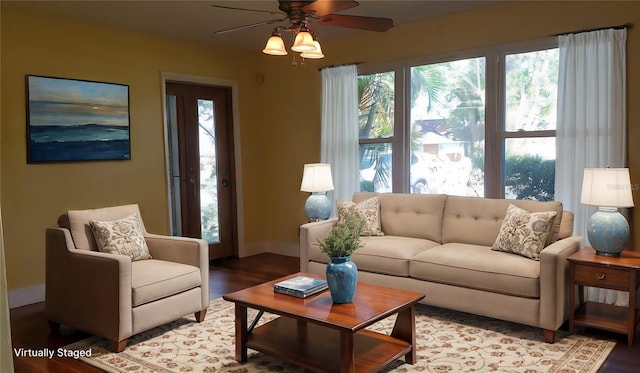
x=110, y=295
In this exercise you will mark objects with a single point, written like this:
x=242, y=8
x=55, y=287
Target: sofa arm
x=554, y=281
x=308, y=234
x=86, y=289
x=185, y=250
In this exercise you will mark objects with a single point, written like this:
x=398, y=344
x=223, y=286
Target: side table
x=616, y=273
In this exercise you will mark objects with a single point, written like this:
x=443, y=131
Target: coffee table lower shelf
x=319, y=348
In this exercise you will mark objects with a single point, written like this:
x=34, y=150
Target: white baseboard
x=281, y=248
x=26, y=296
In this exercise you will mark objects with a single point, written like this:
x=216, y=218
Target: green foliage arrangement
x=344, y=238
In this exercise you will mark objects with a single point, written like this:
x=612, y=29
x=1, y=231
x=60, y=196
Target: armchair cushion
x=156, y=279
x=123, y=236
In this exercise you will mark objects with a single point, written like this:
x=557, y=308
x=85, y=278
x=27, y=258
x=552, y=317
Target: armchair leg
x=549, y=336
x=54, y=326
x=119, y=346
x=200, y=315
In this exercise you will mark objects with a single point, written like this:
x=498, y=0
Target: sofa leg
x=200, y=315
x=119, y=346
x=549, y=336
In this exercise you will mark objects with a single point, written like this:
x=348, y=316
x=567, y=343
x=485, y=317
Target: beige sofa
x=440, y=245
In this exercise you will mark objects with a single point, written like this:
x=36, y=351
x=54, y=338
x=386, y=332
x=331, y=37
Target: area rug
x=447, y=341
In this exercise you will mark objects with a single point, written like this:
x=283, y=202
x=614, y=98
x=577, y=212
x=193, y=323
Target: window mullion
x=493, y=125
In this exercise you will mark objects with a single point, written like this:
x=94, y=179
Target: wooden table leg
x=631, y=317
x=347, y=358
x=405, y=330
x=241, y=333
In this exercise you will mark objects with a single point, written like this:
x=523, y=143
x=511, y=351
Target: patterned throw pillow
x=524, y=233
x=369, y=210
x=123, y=236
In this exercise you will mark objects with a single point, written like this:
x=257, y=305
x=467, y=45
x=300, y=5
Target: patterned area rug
x=447, y=341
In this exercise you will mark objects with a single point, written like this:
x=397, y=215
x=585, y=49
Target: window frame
x=495, y=133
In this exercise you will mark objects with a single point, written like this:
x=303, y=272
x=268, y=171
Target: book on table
x=300, y=286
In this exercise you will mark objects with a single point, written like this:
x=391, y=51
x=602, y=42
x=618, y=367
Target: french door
x=201, y=165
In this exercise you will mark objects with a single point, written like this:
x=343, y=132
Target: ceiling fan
x=301, y=14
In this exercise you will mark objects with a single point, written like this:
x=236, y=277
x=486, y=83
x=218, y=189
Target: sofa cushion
x=123, y=236
x=477, y=221
x=523, y=232
x=410, y=215
x=387, y=254
x=155, y=279
x=478, y=267
x=368, y=210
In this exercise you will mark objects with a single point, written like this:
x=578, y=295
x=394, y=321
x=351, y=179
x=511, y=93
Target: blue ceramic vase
x=342, y=275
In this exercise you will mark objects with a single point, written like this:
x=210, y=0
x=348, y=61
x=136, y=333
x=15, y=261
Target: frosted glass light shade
x=606, y=187
x=314, y=54
x=275, y=46
x=303, y=42
x=316, y=178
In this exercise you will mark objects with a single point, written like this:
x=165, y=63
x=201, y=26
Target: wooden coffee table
x=318, y=335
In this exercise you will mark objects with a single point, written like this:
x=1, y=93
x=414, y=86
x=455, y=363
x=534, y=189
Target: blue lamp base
x=608, y=231
x=317, y=207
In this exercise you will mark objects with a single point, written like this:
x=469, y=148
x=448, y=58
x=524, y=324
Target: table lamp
x=607, y=188
x=317, y=180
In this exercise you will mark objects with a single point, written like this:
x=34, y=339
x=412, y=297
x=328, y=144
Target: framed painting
x=76, y=120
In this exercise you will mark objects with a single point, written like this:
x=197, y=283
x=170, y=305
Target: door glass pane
x=447, y=127
x=376, y=107
x=174, y=165
x=375, y=168
x=530, y=168
x=531, y=86
x=208, y=172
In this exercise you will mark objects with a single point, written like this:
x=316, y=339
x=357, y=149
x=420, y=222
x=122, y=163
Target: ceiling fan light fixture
x=303, y=42
x=314, y=54
x=275, y=46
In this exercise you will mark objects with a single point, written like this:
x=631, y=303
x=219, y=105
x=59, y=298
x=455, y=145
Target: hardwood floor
x=29, y=327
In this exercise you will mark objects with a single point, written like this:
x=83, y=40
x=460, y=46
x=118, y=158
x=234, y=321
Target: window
x=376, y=130
x=477, y=125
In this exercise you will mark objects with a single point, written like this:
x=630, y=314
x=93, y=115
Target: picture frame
x=71, y=120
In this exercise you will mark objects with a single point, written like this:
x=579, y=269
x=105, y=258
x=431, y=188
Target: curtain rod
x=626, y=25
x=338, y=65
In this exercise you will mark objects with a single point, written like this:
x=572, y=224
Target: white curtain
x=339, y=142
x=591, y=129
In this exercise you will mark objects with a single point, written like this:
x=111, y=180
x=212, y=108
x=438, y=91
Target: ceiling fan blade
x=324, y=7
x=357, y=22
x=248, y=10
x=250, y=25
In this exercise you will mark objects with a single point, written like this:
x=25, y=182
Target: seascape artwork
x=77, y=120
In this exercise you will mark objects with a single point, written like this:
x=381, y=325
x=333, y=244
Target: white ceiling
x=198, y=20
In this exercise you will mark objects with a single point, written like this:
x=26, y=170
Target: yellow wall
x=34, y=195
x=279, y=113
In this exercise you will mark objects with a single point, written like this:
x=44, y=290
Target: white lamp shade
x=275, y=46
x=314, y=54
x=606, y=187
x=303, y=42
x=316, y=178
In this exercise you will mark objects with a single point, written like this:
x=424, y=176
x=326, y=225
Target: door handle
x=225, y=182
x=192, y=181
